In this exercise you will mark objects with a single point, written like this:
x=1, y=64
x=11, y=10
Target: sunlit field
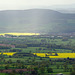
x=60, y=55
x=9, y=53
x=18, y=34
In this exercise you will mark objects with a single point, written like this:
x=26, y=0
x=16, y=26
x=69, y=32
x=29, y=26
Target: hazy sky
x=25, y=4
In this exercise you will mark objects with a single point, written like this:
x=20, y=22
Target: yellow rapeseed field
x=60, y=55
x=18, y=34
x=9, y=53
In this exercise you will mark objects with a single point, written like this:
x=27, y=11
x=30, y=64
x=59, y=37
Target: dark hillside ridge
x=36, y=20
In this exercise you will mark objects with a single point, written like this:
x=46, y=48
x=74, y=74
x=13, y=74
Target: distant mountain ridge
x=66, y=8
x=36, y=20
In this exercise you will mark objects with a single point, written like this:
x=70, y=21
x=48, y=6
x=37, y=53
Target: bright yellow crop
x=60, y=55
x=40, y=54
x=9, y=53
x=18, y=34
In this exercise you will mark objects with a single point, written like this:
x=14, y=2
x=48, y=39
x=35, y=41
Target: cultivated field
x=18, y=34
x=60, y=55
x=8, y=53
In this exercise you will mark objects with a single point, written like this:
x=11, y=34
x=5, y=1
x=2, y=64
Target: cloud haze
x=25, y=4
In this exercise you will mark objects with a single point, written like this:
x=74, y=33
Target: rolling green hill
x=36, y=20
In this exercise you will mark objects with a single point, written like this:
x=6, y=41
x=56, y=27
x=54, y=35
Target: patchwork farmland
x=52, y=54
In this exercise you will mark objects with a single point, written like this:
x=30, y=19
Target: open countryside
x=37, y=37
x=23, y=54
